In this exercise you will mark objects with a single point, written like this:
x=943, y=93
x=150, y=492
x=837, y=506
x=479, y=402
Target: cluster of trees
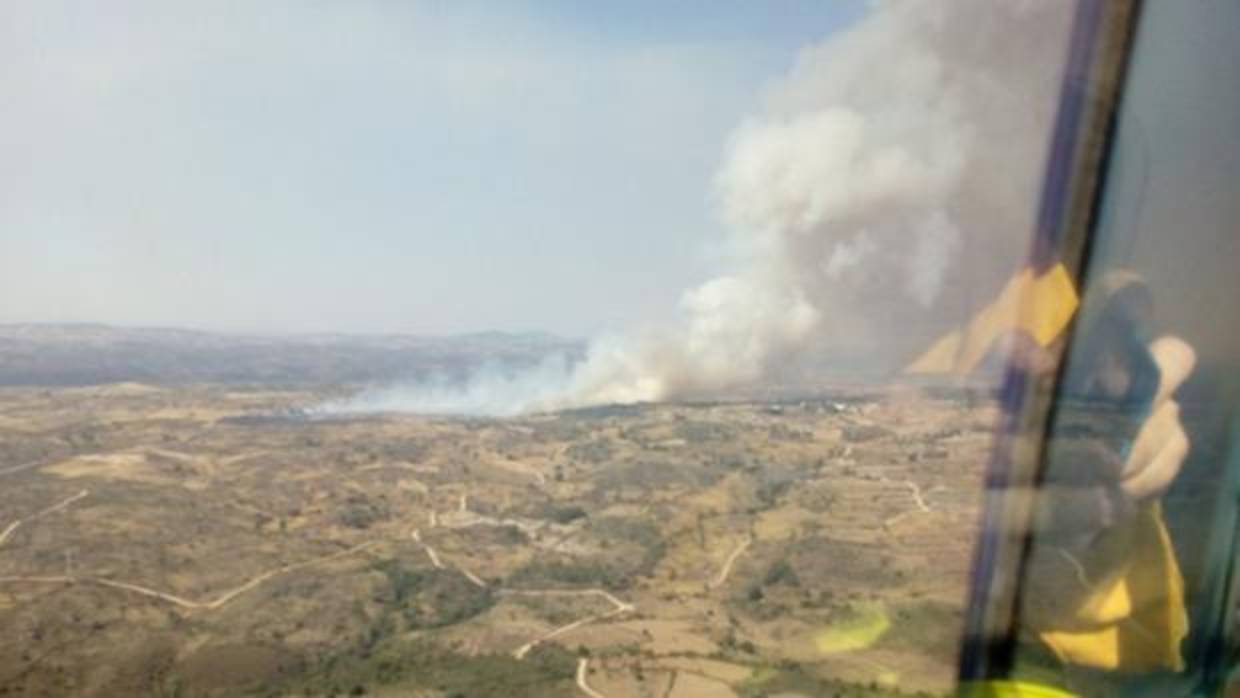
x=362, y=512
x=570, y=573
x=565, y=514
x=432, y=598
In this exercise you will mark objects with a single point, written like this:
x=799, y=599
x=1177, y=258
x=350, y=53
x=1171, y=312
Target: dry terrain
x=195, y=541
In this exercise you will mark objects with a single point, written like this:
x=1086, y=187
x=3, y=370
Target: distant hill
x=87, y=354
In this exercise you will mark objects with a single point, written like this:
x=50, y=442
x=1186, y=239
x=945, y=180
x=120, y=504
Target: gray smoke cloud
x=884, y=190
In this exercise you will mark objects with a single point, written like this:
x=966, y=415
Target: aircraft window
x=1123, y=583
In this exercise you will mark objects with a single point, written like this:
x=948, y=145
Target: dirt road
x=583, y=665
x=416, y=535
x=11, y=528
x=726, y=570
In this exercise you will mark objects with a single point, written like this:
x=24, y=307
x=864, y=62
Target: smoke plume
x=884, y=189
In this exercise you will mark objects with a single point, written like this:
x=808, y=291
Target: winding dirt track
x=183, y=602
x=8, y=531
x=618, y=608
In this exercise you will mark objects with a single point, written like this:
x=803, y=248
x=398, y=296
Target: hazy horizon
x=289, y=333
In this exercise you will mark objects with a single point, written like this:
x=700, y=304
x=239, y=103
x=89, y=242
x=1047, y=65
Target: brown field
x=179, y=542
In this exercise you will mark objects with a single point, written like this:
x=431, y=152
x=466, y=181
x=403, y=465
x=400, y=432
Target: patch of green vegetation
x=631, y=547
x=632, y=531
x=926, y=627
x=780, y=572
x=546, y=672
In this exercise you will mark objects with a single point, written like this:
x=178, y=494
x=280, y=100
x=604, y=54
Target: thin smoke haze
x=886, y=184
x=493, y=390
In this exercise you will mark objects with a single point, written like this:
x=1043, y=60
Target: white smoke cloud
x=887, y=183
x=492, y=390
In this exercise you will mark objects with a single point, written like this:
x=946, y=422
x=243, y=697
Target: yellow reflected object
x=1010, y=689
x=867, y=624
x=1136, y=620
x=1040, y=306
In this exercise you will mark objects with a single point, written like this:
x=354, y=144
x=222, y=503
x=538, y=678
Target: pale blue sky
x=373, y=166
